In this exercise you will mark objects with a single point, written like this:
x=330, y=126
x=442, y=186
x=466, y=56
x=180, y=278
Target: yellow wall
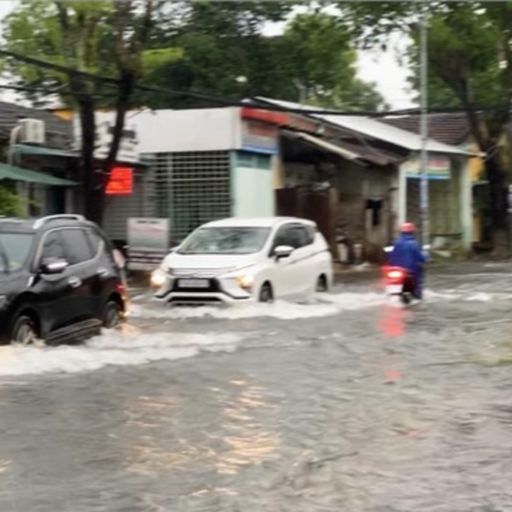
x=64, y=113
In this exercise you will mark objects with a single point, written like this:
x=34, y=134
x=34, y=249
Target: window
x=14, y=250
x=94, y=241
x=225, y=240
x=78, y=248
x=311, y=233
x=53, y=246
x=292, y=236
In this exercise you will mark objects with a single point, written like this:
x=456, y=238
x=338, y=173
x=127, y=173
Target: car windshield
x=225, y=240
x=14, y=250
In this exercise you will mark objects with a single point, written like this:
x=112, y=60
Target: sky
x=376, y=66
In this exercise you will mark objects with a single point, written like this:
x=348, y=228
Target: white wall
x=252, y=190
x=168, y=131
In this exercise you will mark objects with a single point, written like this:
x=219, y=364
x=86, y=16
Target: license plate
x=394, y=289
x=194, y=283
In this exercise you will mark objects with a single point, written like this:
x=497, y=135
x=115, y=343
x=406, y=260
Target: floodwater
x=346, y=402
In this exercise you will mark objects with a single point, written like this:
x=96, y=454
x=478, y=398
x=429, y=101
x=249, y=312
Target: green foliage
x=10, y=204
x=217, y=48
x=96, y=36
x=226, y=54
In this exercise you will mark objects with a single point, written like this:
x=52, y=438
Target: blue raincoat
x=407, y=254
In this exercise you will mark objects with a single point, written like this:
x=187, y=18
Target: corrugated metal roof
x=375, y=129
x=26, y=149
x=352, y=149
x=328, y=146
x=12, y=172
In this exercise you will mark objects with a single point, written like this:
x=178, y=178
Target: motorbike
x=400, y=283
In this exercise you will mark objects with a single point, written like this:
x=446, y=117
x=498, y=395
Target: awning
x=11, y=172
x=328, y=146
x=25, y=149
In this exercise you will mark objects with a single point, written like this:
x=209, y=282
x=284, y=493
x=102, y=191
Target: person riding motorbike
x=407, y=254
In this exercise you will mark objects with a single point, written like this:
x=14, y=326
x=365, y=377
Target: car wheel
x=266, y=293
x=24, y=331
x=111, y=314
x=322, y=284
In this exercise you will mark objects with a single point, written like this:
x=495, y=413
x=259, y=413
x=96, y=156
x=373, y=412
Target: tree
x=470, y=66
x=225, y=53
x=79, y=40
x=10, y=204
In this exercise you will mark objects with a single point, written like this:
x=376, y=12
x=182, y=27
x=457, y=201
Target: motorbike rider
x=407, y=254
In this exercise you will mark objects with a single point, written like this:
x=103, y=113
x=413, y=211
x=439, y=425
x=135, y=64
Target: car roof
x=14, y=225
x=32, y=225
x=255, y=222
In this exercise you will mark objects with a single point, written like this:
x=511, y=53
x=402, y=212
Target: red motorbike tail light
x=395, y=274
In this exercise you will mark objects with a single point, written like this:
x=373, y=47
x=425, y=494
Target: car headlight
x=244, y=281
x=158, y=278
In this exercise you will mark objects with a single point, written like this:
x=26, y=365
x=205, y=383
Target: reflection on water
x=371, y=410
x=155, y=444
x=391, y=320
x=248, y=441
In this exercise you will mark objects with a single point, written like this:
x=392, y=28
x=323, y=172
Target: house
x=202, y=164
x=377, y=182
x=35, y=159
x=454, y=129
x=357, y=177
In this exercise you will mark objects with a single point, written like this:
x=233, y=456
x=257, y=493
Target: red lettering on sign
x=120, y=182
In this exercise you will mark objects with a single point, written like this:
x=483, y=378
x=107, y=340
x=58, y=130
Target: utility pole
x=424, y=199
x=302, y=91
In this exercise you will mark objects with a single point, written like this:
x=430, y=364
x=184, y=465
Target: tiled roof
x=58, y=131
x=448, y=128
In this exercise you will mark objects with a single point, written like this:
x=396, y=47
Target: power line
x=255, y=102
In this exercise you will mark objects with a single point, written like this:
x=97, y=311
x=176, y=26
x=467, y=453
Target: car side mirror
x=54, y=265
x=283, y=251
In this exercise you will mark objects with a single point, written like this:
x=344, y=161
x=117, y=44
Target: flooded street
x=344, y=403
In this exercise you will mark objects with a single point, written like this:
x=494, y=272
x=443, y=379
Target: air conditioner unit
x=32, y=131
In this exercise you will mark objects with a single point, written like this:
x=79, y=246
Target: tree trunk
x=87, y=168
x=125, y=89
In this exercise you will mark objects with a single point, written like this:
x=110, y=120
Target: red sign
x=266, y=116
x=120, y=182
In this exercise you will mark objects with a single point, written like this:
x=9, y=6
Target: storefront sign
x=128, y=145
x=148, y=242
x=120, y=182
x=259, y=137
x=438, y=168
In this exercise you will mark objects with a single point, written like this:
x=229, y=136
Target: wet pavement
x=345, y=402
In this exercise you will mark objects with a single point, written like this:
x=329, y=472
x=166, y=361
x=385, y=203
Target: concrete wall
x=355, y=185
x=252, y=189
x=168, y=131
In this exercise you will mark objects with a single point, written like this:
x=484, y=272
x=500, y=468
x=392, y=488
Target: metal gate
x=192, y=188
x=317, y=205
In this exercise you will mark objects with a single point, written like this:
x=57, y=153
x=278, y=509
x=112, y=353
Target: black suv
x=60, y=280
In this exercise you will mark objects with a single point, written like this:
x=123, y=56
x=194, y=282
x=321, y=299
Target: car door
x=56, y=295
x=302, y=258
x=82, y=271
x=106, y=275
x=286, y=271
